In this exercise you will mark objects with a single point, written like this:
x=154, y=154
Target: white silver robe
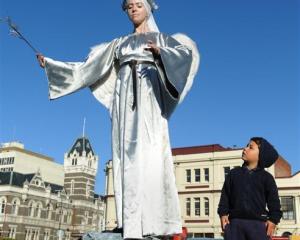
x=144, y=182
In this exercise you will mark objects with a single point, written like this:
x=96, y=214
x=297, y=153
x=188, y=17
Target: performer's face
x=136, y=11
x=251, y=152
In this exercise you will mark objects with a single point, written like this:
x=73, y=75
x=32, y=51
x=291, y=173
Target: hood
x=267, y=154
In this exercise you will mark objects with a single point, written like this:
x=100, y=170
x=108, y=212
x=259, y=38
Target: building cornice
x=11, y=149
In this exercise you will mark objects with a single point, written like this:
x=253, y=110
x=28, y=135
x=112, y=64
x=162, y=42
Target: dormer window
x=74, y=161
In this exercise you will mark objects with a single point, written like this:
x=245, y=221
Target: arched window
x=15, y=206
x=3, y=205
x=90, y=163
x=64, y=216
x=31, y=209
x=74, y=161
x=38, y=210
x=49, y=211
x=70, y=213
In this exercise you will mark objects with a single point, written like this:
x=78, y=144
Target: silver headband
x=152, y=4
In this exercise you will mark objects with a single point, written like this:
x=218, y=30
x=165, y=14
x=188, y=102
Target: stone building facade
x=43, y=200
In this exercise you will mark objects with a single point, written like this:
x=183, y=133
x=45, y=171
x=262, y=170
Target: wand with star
x=14, y=31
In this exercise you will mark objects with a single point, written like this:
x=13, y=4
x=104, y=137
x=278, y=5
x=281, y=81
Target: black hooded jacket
x=246, y=193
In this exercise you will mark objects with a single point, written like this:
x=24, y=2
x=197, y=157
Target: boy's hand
x=224, y=221
x=270, y=228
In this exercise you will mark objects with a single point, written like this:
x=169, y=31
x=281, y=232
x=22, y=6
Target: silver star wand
x=14, y=31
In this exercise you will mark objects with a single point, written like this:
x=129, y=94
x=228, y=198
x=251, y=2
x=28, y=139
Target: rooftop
x=81, y=144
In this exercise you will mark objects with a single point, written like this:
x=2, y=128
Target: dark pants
x=243, y=229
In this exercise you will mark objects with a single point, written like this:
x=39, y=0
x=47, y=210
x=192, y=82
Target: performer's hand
x=270, y=228
x=41, y=60
x=224, y=221
x=153, y=48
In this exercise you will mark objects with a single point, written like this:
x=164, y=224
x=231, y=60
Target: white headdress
x=150, y=7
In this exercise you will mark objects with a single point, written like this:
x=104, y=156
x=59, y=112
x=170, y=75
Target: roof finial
x=83, y=129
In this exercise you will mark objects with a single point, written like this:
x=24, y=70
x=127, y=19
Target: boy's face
x=251, y=152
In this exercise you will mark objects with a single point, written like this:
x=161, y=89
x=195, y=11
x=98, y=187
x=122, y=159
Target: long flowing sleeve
x=67, y=77
x=179, y=64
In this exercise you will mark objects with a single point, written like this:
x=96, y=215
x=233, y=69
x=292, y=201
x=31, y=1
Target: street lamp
x=60, y=232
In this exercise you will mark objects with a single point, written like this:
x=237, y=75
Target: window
x=68, y=235
x=32, y=235
x=3, y=206
x=64, y=216
x=31, y=209
x=87, y=189
x=15, y=206
x=49, y=211
x=203, y=235
x=36, y=235
x=69, y=220
x=8, y=169
x=206, y=174
x=188, y=207
x=90, y=163
x=197, y=206
x=72, y=187
x=206, y=206
x=95, y=219
x=74, y=161
x=190, y=235
x=47, y=234
x=7, y=160
x=209, y=235
x=287, y=207
x=12, y=232
x=86, y=217
x=59, y=213
x=38, y=210
x=198, y=235
x=226, y=171
x=188, y=175
x=197, y=175
x=26, y=234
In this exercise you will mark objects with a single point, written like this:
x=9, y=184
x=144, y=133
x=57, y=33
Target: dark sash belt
x=133, y=64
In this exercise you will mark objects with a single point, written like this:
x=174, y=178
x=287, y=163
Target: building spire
x=83, y=128
x=83, y=134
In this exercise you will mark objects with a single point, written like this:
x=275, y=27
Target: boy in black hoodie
x=246, y=193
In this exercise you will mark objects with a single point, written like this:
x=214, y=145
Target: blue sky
x=248, y=83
